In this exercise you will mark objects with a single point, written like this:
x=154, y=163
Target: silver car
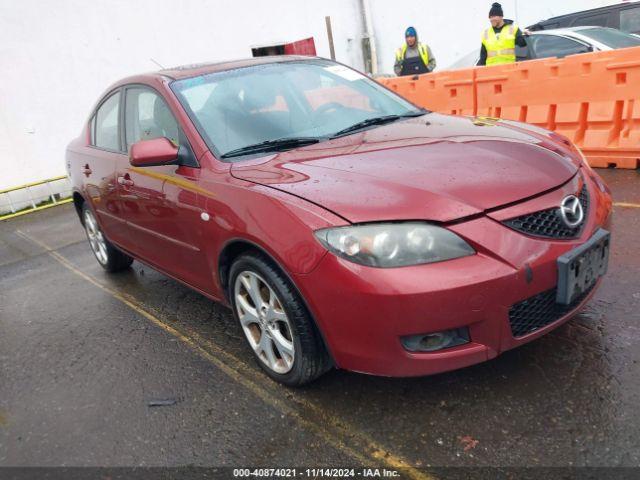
x=562, y=42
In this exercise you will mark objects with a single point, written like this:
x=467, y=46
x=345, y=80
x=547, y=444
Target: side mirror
x=148, y=153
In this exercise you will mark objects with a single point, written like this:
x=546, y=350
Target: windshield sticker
x=192, y=82
x=344, y=72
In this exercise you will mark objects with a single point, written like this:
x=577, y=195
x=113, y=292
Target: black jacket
x=521, y=41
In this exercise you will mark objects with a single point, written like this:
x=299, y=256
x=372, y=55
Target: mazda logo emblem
x=571, y=211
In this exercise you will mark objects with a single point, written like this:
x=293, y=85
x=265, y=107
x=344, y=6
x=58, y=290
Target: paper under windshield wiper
x=272, y=145
x=376, y=121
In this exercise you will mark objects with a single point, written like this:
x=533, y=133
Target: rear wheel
x=275, y=322
x=108, y=256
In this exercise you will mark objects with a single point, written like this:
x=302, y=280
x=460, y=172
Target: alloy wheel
x=96, y=239
x=264, y=321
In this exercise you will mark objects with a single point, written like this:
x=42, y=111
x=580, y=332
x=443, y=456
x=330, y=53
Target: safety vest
x=501, y=48
x=422, y=50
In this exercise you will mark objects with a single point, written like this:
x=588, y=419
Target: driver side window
x=147, y=116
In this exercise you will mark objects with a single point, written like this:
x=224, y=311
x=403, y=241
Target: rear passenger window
x=546, y=46
x=599, y=20
x=630, y=20
x=105, y=126
x=147, y=116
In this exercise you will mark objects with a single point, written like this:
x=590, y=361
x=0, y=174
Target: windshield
x=309, y=99
x=610, y=37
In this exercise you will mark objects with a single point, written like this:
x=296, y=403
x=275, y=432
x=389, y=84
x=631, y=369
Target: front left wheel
x=275, y=321
x=108, y=256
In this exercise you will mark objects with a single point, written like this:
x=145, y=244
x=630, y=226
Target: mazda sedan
x=343, y=225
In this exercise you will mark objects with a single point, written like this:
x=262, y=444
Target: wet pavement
x=84, y=356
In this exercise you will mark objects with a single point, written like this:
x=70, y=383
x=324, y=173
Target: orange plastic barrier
x=593, y=99
x=450, y=92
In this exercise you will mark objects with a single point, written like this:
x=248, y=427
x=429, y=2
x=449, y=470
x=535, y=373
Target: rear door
x=160, y=203
x=104, y=152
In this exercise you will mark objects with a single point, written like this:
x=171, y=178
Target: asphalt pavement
x=135, y=369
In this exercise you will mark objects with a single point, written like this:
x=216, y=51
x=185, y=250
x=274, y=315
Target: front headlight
x=387, y=245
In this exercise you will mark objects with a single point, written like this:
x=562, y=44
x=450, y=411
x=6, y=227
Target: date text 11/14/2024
x=315, y=473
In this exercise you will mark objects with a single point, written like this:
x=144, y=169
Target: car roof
x=567, y=30
x=188, y=71
x=591, y=11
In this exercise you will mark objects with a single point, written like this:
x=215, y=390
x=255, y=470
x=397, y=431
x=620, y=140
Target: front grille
x=539, y=311
x=548, y=223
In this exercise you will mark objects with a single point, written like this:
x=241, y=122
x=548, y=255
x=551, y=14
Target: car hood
x=435, y=167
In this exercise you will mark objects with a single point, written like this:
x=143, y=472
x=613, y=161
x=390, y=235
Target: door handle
x=86, y=170
x=125, y=181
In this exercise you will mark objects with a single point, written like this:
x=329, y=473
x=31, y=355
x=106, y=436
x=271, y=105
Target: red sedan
x=345, y=226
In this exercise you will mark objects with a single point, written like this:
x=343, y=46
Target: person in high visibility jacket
x=414, y=58
x=500, y=39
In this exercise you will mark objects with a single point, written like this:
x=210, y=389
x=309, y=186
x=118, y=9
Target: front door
x=160, y=203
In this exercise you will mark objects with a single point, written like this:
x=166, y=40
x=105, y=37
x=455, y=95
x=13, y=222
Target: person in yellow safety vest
x=500, y=39
x=414, y=58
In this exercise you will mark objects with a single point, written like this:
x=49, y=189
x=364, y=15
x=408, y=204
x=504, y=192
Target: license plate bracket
x=580, y=269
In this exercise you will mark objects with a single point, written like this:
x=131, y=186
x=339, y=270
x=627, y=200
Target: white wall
x=57, y=57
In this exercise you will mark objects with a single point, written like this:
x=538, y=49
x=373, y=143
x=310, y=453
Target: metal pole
x=330, y=36
x=369, y=37
x=51, y=194
x=33, y=203
x=13, y=210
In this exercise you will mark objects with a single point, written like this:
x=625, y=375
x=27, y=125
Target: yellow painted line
x=41, y=207
x=376, y=451
x=626, y=205
x=339, y=428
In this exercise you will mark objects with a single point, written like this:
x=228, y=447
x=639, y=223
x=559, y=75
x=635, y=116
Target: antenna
x=157, y=63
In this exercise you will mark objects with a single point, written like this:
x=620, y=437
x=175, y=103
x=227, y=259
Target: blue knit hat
x=411, y=32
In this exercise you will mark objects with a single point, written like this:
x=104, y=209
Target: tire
x=293, y=324
x=107, y=255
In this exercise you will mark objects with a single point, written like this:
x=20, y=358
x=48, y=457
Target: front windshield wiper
x=272, y=145
x=377, y=121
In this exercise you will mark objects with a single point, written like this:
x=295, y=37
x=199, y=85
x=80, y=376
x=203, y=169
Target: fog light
x=430, y=342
